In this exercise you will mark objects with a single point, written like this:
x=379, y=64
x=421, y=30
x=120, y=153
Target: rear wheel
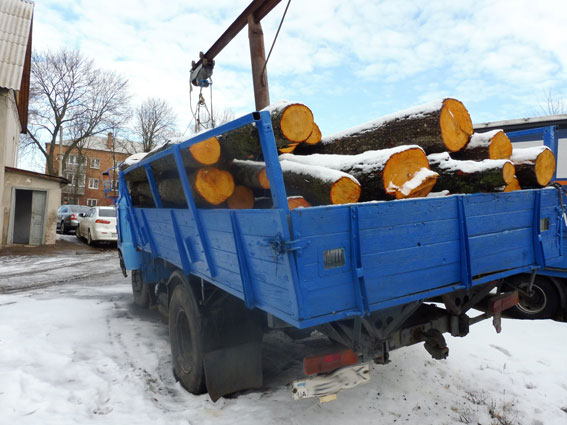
x=89, y=238
x=185, y=337
x=63, y=230
x=141, y=290
x=541, y=303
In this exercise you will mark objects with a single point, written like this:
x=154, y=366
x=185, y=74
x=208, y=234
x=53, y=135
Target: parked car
x=68, y=217
x=98, y=224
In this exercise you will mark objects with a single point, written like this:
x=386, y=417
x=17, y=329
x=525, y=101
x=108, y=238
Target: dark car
x=68, y=217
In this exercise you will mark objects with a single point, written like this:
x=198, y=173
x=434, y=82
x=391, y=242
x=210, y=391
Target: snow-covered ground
x=82, y=352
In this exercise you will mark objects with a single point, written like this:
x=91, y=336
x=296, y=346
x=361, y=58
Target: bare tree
x=553, y=104
x=154, y=123
x=68, y=91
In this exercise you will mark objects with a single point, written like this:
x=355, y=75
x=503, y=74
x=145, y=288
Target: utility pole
x=258, y=60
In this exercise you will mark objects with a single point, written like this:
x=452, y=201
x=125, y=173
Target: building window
x=95, y=163
x=72, y=160
x=72, y=177
x=93, y=183
x=91, y=202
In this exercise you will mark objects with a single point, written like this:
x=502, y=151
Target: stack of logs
x=402, y=155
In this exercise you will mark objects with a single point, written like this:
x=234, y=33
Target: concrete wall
x=24, y=181
x=9, y=134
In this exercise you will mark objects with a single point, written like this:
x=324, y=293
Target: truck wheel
x=542, y=304
x=140, y=290
x=185, y=338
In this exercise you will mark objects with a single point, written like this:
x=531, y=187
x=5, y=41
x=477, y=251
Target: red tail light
x=102, y=221
x=73, y=216
x=329, y=362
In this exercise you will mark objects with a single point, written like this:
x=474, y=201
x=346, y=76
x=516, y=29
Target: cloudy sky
x=350, y=61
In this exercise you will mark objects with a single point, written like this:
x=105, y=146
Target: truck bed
x=315, y=265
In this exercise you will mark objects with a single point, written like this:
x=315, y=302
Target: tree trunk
x=292, y=203
x=383, y=174
x=491, y=145
x=319, y=185
x=535, y=166
x=198, y=155
x=471, y=176
x=291, y=123
x=250, y=173
x=436, y=127
x=242, y=198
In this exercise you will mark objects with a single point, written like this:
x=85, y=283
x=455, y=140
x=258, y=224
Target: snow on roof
x=533, y=120
x=415, y=111
x=100, y=143
x=15, y=23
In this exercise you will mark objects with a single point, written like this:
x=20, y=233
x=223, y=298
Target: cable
x=273, y=43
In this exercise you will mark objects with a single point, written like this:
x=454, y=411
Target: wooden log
x=456, y=176
x=535, y=166
x=292, y=123
x=436, y=127
x=250, y=173
x=383, y=174
x=319, y=185
x=315, y=136
x=491, y=145
x=513, y=186
x=292, y=202
x=241, y=198
x=210, y=187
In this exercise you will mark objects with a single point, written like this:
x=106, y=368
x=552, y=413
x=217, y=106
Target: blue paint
x=394, y=252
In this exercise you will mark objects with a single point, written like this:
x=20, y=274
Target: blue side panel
x=415, y=247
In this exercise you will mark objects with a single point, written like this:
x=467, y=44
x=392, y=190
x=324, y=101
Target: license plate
x=114, y=234
x=323, y=385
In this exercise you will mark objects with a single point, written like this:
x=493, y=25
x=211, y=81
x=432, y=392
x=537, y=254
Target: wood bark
x=250, y=173
x=383, y=174
x=319, y=185
x=535, y=166
x=292, y=123
x=470, y=176
x=436, y=127
x=491, y=145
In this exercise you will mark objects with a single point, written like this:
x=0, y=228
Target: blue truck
x=372, y=277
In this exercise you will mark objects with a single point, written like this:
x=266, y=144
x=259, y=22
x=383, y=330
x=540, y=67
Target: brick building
x=84, y=167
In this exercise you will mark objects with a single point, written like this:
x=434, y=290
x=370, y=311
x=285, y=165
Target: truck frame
x=372, y=277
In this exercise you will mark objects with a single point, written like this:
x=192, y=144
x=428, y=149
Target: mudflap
x=232, y=352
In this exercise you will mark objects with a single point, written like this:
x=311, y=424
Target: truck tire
x=543, y=304
x=141, y=290
x=185, y=338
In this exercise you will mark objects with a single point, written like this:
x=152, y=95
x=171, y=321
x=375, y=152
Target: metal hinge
x=282, y=246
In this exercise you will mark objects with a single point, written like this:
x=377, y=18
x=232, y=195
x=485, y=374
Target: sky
x=350, y=62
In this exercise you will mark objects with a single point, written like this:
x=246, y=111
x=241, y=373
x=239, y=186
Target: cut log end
x=263, y=179
x=402, y=167
x=456, y=125
x=500, y=146
x=214, y=185
x=421, y=191
x=296, y=202
x=315, y=136
x=242, y=198
x=206, y=152
x=509, y=173
x=289, y=148
x=345, y=191
x=296, y=122
x=545, y=167
x=513, y=185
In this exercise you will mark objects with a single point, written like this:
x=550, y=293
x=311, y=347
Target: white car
x=98, y=224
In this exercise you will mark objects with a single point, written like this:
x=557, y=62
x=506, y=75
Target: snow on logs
x=535, y=166
x=401, y=172
x=490, y=145
x=439, y=126
x=457, y=176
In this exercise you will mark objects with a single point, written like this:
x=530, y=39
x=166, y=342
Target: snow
x=527, y=155
x=441, y=194
x=366, y=161
x=134, y=159
x=480, y=140
x=417, y=180
x=87, y=355
x=277, y=106
x=414, y=112
x=322, y=173
x=444, y=161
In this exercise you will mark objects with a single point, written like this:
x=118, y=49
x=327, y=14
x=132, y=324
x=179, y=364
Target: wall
x=9, y=134
x=25, y=181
